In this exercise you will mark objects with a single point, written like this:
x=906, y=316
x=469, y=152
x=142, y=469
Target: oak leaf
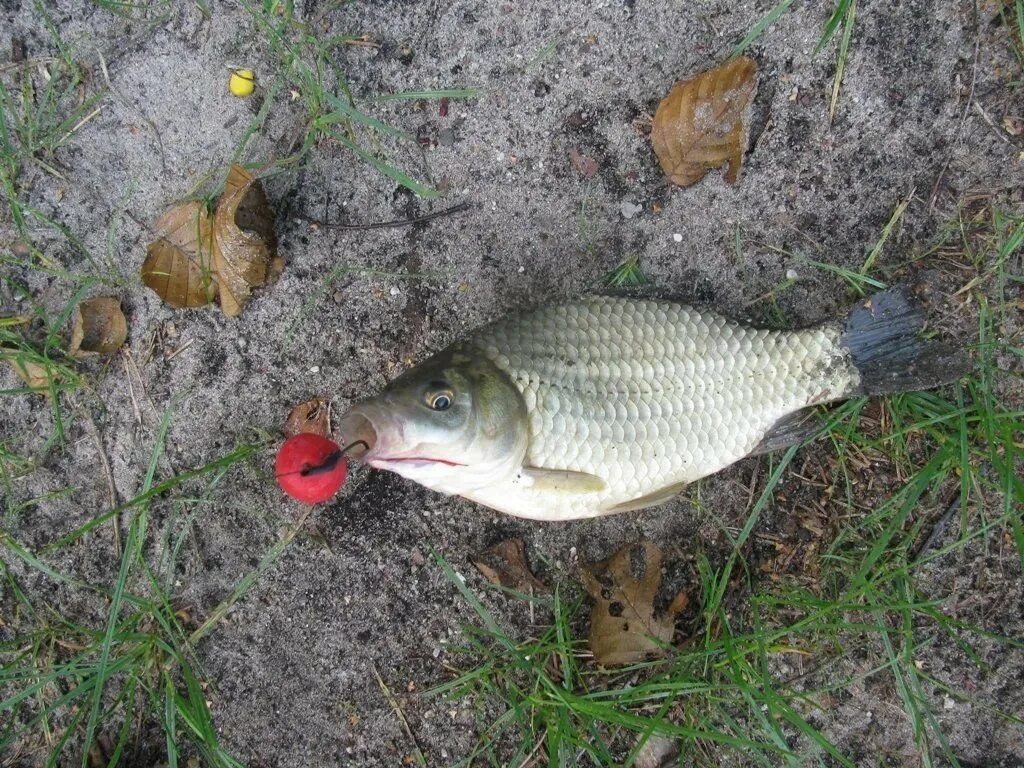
x=623, y=626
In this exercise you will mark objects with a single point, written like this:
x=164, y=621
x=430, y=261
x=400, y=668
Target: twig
x=992, y=124
x=389, y=224
x=529, y=758
x=131, y=389
x=420, y=760
x=115, y=521
x=939, y=528
x=967, y=107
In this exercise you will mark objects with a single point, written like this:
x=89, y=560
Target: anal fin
x=789, y=430
x=563, y=480
x=652, y=499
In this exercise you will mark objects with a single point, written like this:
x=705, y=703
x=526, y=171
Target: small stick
x=939, y=528
x=389, y=224
x=105, y=465
x=528, y=760
x=131, y=390
x=420, y=760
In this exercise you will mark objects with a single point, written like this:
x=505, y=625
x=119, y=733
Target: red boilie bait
x=310, y=468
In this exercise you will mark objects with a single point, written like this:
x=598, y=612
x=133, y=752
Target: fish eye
x=440, y=399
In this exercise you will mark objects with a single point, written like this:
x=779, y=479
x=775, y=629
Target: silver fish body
x=604, y=405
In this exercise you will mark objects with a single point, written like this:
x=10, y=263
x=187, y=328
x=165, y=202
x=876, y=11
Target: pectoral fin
x=564, y=480
x=659, y=496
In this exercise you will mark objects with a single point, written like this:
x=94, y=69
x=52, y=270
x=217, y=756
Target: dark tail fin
x=882, y=336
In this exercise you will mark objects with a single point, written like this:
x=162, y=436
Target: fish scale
x=648, y=394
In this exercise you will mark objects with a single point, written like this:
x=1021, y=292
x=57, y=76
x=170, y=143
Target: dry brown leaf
x=702, y=123
x=99, y=327
x=623, y=627
x=179, y=263
x=312, y=416
x=35, y=376
x=197, y=257
x=245, y=248
x=587, y=166
x=505, y=565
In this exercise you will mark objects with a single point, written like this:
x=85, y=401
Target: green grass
x=842, y=17
x=308, y=68
x=719, y=692
x=41, y=110
x=626, y=275
x=63, y=682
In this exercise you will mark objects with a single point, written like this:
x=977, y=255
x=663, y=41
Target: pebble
x=395, y=290
x=629, y=209
x=677, y=237
x=314, y=369
x=446, y=137
x=338, y=296
x=791, y=274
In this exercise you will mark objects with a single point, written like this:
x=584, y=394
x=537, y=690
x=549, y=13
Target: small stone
x=395, y=290
x=677, y=237
x=629, y=209
x=338, y=297
x=791, y=274
x=314, y=369
x=948, y=703
x=446, y=137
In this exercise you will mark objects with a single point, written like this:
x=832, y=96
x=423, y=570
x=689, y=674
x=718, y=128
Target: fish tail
x=882, y=334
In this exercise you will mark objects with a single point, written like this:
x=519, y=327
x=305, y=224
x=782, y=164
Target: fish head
x=453, y=423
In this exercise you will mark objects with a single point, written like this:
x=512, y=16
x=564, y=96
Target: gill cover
x=453, y=423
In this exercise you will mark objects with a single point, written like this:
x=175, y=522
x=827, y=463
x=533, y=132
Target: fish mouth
x=414, y=460
x=359, y=435
x=365, y=430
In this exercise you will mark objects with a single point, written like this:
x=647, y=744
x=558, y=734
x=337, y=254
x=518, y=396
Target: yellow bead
x=242, y=82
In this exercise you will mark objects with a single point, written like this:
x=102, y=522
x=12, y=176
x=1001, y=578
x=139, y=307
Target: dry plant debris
x=313, y=416
x=623, y=625
x=702, y=123
x=99, y=327
x=198, y=256
x=505, y=565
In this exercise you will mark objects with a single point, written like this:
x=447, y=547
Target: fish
x=603, y=404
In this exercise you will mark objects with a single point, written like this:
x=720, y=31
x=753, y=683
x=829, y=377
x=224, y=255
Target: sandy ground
x=293, y=666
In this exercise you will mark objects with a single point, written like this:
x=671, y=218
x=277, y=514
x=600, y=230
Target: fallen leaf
x=313, y=416
x=245, y=248
x=702, y=123
x=587, y=166
x=505, y=565
x=99, y=327
x=197, y=257
x=623, y=627
x=179, y=263
x=37, y=377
